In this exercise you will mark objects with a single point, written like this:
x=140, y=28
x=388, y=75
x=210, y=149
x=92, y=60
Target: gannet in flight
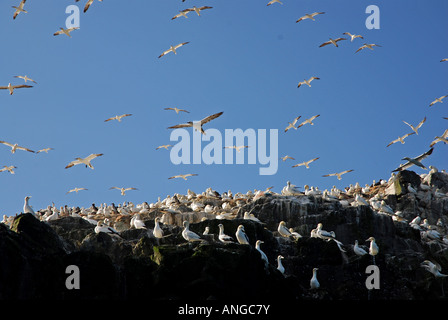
x=65, y=31
x=416, y=161
x=434, y=102
x=434, y=268
x=44, y=150
x=400, y=139
x=197, y=125
x=173, y=49
x=415, y=129
x=8, y=168
x=353, y=36
x=85, y=161
x=198, y=10
x=442, y=138
x=118, y=117
x=19, y=9
x=305, y=163
x=273, y=1
x=76, y=190
x=241, y=235
x=184, y=176
x=166, y=146
x=309, y=16
x=443, y=60
x=237, y=148
x=25, y=78
x=332, y=41
x=307, y=82
x=287, y=157
x=182, y=13
x=15, y=147
x=88, y=4
x=314, y=284
x=310, y=121
x=292, y=125
x=366, y=45
x=123, y=190
x=11, y=88
x=177, y=110
x=337, y=174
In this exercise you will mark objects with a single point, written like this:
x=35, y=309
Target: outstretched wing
x=210, y=118
x=182, y=125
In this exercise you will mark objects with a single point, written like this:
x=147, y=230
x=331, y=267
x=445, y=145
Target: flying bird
x=76, y=190
x=310, y=121
x=44, y=150
x=292, y=125
x=400, y=139
x=182, y=13
x=197, y=125
x=86, y=161
x=123, y=190
x=415, y=129
x=305, y=163
x=353, y=36
x=274, y=1
x=414, y=161
x=19, y=9
x=88, y=4
x=198, y=10
x=287, y=157
x=183, y=176
x=309, y=16
x=443, y=60
x=118, y=117
x=173, y=49
x=166, y=146
x=65, y=31
x=442, y=138
x=237, y=148
x=11, y=88
x=25, y=78
x=15, y=147
x=432, y=103
x=177, y=110
x=9, y=168
x=337, y=174
x=366, y=45
x=307, y=81
x=332, y=41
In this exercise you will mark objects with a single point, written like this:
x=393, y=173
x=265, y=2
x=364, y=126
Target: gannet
x=206, y=230
x=101, y=227
x=353, y=36
x=283, y=230
x=401, y=139
x=182, y=13
x=294, y=234
x=198, y=10
x=76, y=190
x=241, y=235
x=414, y=161
x=65, y=31
x=314, y=284
x=123, y=190
x=292, y=125
x=360, y=200
x=442, y=138
x=438, y=100
x=166, y=146
x=280, y=266
x=237, y=148
x=305, y=163
x=332, y=41
x=310, y=121
x=15, y=147
x=263, y=255
x=184, y=176
x=415, y=129
x=290, y=189
x=137, y=222
x=358, y=250
x=173, y=48
x=25, y=78
x=11, y=88
x=118, y=117
x=273, y=1
x=250, y=216
x=26, y=207
x=19, y=9
x=222, y=236
x=307, y=82
x=157, y=232
x=434, y=268
x=88, y=4
x=189, y=235
x=44, y=150
x=443, y=60
x=287, y=157
x=53, y=216
x=370, y=46
x=309, y=16
x=197, y=125
x=9, y=168
x=85, y=161
x=177, y=110
x=337, y=174
x=373, y=249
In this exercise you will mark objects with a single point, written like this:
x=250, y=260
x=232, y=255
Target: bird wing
x=424, y=155
x=346, y=171
x=6, y=143
x=314, y=78
x=205, y=7
x=298, y=165
x=210, y=118
x=421, y=123
x=113, y=118
x=295, y=120
x=339, y=39
x=25, y=149
x=407, y=135
x=71, y=164
x=324, y=44
x=181, y=44
x=182, y=125
x=130, y=189
x=312, y=160
x=314, y=117
x=22, y=86
x=173, y=177
x=88, y=4
x=392, y=142
x=360, y=48
x=329, y=175
x=316, y=13
x=93, y=156
x=165, y=52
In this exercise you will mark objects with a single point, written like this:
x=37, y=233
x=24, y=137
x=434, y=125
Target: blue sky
x=244, y=59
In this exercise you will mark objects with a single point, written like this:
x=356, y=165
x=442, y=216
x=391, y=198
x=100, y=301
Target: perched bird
x=166, y=146
x=332, y=41
x=197, y=125
x=44, y=150
x=86, y=161
x=237, y=148
x=101, y=227
x=183, y=176
x=263, y=255
x=434, y=268
x=273, y=1
x=400, y=139
x=339, y=175
x=373, y=249
x=177, y=110
x=353, y=36
x=370, y=46
x=241, y=235
x=414, y=161
x=118, y=117
x=19, y=9
x=310, y=121
x=222, y=236
x=137, y=222
x=189, y=235
x=292, y=125
x=309, y=16
x=15, y=147
x=307, y=82
x=314, y=284
x=76, y=190
x=88, y=4
x=157, y=232
x=431, y=104
x=280, y=266
x=26, y=206
x=283, y=230
x=173, y=48
x=442, y=138
x=11, y=88
x=9, y=168
x=415, y=129
x=65, y=31
x=358, y=250
x=25, y=78
x=305, y=163
x=123, y=190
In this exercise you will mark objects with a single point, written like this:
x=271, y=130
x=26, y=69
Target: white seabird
x=309, y=16
x=86, y=161
x=157, y=232
x=101, y=227
x=366, y=45
x=294, y=234
x=237, y=148
x=166, y=146
x=177, y=110
x=184, y=176
x=442, y=138
x=11, y=87
x=438, y=100
x=222, y=236
x=76, y=190
x=307, y=82
x=292, y=126
x=65, y=31
x=290, y=189
x=198, y=10
x=173, y=48
x=280, y=266
x=415, y=129
x=400, y=139
x=44, y=150
x=305, y=163
x=273, y=1
x=286, y=158
x=26, y=207
x=353, y=36
x=263, y=255
x=373, y=249
x=123, y=190
x=137, y=222
x=241, y=235
x=310, y=121
x=339, y=174
x=197, y=125
x=118, y=118
x=88, y=4
x=314, y=284
x=25, y=78
x=434, y=268
x=9, y=168
x=19, y=9
x=189, y=235
x=15, y=147
x=332, y=41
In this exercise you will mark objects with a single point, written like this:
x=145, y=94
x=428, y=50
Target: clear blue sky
x=244, y=59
